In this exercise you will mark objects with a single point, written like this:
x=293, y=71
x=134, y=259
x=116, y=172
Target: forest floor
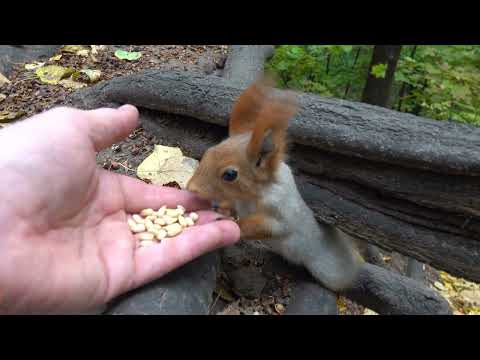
x=244, y=264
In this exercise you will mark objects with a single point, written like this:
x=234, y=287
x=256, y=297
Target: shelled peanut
x=150, y=226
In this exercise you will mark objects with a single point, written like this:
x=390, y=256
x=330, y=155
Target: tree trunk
x=378, y=90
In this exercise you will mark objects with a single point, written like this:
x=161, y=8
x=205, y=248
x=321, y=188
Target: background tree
x=381, y=71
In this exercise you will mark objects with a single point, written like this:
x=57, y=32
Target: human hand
x=65, y=245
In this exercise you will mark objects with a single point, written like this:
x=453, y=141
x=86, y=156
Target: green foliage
x=379, y=70
x=439, y=82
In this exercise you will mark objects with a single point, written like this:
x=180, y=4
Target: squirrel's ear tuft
x=268, y=142
x=249, y=104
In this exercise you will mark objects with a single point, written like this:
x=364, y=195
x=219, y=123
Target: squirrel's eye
x=230, y=175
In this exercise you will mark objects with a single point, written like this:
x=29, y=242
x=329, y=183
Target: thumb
x=106, y=126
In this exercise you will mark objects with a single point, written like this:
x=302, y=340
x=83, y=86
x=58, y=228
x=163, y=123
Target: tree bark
x=245, y=62
x=378, y=90
x=397, y=181
x=358, y=130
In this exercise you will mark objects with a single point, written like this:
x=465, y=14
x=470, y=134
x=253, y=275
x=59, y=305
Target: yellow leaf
x=74, y=49
x=439, y=285
x=167, y=164
x=3, y=80
x=52, y=74
x=83, y=52
x=2, y=97
x=56, y=57
x=7, y=116
x=71, y=84
x=34, y=65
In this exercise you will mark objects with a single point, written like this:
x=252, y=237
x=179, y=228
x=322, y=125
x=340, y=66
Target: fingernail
x=126, y=107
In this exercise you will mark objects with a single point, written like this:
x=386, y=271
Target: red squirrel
x=247, y=173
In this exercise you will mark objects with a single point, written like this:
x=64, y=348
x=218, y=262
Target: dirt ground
x=27, y=95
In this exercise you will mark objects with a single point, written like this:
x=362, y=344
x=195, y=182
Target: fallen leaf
x=369, y=312
x=3, y=79
x=7, y=116
x=34, y=65
x=52, y=74
x=224, y=293
x=279, y=308
x=56, y=57
x=83, y=52
x=341, y=304
x=2, y=97
x=71, y=84
x=439, y=285
x=93, y=75
x=128, y=55
x=167, y=164
x=97, y=48
x=74, y=49
x=471, y=297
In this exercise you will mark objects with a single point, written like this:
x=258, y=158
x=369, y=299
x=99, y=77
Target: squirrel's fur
x=264, y=194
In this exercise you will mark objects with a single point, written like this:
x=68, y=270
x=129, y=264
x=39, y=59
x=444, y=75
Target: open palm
x=65, y=244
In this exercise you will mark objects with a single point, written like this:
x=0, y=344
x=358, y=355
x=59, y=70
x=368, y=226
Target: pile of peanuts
x=150, y=226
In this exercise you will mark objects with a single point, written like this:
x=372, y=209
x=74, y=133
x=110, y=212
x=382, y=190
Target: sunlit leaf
x=379, y=70
x=52, y=74
x=34, y=65
x=93, y=75
x=56, y=57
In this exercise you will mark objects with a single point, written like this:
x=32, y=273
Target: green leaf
x=128, y=55
x=379, y=70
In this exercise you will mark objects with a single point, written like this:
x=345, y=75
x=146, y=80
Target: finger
x=139, y=195
x=106, y=126
x=156, y=260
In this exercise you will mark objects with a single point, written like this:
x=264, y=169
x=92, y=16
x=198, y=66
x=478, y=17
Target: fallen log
x=388, y=293
x=430, y=175
x=350, y=128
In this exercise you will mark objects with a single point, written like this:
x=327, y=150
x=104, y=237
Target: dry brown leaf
x=7, y=116
x=2, y=97
x=71, y=84
x=3, y=79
